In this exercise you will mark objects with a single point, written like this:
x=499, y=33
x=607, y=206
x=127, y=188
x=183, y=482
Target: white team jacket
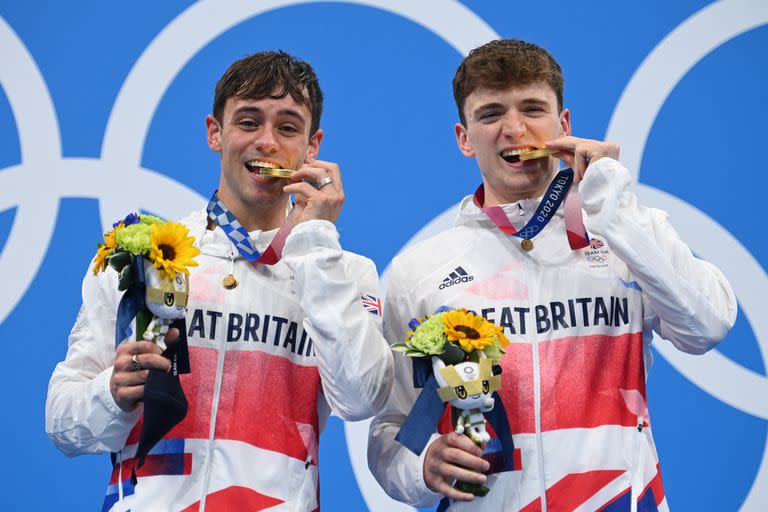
x=270, y=359
x=580, y=322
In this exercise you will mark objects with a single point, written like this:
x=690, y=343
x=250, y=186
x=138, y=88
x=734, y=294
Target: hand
x=579, y=153
x=127, y=384
x=444, y=461
x=316, y=203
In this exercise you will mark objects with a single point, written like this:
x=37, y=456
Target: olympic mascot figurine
x=166, y=299
x=468, y=387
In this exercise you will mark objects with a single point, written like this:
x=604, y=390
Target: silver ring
x=323, y=182
x=136, y=364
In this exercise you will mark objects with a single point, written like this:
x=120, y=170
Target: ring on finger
x=135, y=363
x=323, y=182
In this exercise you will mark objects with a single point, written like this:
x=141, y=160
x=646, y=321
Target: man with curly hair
x=579, y=310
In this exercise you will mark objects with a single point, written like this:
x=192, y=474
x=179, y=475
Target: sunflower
x=503, y=340
x=172, y=248
x=471, y=331
x=110, y=242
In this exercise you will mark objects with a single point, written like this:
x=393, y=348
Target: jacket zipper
x=222, y=344
x=537, y=395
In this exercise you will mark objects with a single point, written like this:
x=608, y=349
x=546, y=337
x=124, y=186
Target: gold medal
x=527, y=245
x=229, y=282
x=536, y=153
x=275, y=173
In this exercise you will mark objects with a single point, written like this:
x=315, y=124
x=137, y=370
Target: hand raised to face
x=579, y=153
x=318, y=190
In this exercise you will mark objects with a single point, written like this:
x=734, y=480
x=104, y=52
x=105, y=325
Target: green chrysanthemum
x=150, y=219
x=429, y=336
x=135, y=238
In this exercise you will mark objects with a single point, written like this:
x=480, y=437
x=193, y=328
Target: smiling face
x=499, y=122
x=252, y=134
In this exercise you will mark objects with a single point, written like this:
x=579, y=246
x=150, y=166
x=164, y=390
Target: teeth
x=516, y=152
x=262, y=164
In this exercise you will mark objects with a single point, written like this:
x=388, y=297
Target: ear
x=462, y=140
x=565, y=122
x=213, y=133
x=314, y=146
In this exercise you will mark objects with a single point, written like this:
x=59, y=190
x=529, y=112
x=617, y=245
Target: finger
x=566, y=156
x=130, y=377
x=329, y=169
x=308, y=172
x=301, y=189
x=138, y=347
x=172, y=336
x=581, y=162
x=464, y=443
x=461, y=458
x=153, y=362
x=451, y=472
x=447, y=490
x=333, y=171
x=130, y=394
x=567, y=143
x=146, y=361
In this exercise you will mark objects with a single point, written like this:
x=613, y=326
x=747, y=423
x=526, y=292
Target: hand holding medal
x=579, y=153
x=318, y=191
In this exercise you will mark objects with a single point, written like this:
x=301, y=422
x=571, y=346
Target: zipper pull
x=639, y=423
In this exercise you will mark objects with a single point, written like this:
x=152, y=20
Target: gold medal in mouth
x=533, y=154
x=271, y=172
x=268, y=169
x=521, y=155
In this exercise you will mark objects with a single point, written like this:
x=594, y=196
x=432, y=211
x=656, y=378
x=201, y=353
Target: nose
x=513, y=126
x=265, y=140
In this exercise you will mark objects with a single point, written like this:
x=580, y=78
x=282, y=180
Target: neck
x=498, y=197
x=257, y=218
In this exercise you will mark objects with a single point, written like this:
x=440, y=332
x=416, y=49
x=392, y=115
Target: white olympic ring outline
x=158, y=65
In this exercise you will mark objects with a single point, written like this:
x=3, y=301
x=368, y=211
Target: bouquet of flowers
x=463, y=347
x=152, y=258
x=453, y=336
x=147, y=250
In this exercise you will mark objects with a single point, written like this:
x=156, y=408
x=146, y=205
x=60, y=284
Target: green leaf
x=400, y=347
x=494, y=352
x=415, y=353
x=452, y=353
x=126, y=278
x=119, y=259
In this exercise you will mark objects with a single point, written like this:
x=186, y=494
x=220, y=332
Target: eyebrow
x=282, y=112
x=497, y=105
x=487, y=106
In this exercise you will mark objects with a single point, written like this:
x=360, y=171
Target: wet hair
x=272, y=74
x=502, y=64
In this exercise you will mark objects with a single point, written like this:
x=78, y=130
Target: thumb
x=172, y=336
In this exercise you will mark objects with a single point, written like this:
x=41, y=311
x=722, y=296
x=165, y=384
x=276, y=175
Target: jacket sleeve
x=399, y=471
x=81, y=415
x=354, y=361
x=687, y=300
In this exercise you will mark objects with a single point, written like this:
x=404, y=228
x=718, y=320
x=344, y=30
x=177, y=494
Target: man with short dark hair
x=276, y=341
x=578, y=309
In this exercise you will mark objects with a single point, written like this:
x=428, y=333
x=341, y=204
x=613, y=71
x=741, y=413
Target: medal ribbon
x=239, y=237
x=558, y=191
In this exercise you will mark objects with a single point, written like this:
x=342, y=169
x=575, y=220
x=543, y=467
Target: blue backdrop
x=101, y=112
